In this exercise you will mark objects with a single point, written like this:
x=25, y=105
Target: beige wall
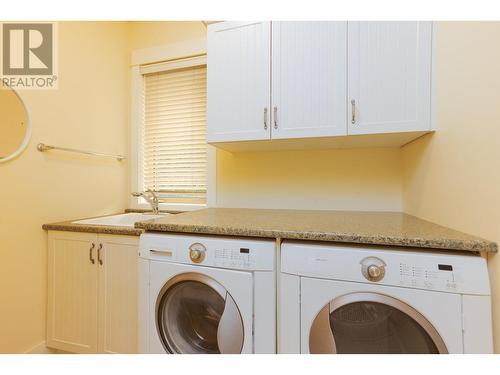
x=356, y=179
x=88, y=111
x=453, y=176
x=154, y=34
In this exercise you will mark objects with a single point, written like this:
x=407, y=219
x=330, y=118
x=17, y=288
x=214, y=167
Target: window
x=172, y=149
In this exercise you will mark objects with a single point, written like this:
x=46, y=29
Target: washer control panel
x=207, y=251
x=234, y=257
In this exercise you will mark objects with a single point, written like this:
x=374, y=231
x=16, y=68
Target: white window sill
x=169, y=206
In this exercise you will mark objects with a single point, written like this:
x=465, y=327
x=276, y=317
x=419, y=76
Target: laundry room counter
x=71, y=226
x=74, y=226
x=375, y=228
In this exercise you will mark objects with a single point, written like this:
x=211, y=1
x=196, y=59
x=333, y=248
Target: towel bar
x=42, y=147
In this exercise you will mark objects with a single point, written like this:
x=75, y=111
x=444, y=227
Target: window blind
x=174, y=134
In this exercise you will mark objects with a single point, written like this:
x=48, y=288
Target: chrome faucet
x=150, y=197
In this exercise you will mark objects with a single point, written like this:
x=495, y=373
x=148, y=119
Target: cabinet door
x=118, y=279
x=389, y=77
x=238, y=75
x=309, y=79
x=72, y=292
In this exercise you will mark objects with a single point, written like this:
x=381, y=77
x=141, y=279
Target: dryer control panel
x=409, y=268
x=436, y=277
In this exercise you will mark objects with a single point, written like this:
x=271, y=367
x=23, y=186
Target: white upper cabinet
x=296, y=82
x=309, y=79
x=389, y=69
x=238, y=91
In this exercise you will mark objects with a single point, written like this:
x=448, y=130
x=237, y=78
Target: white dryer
x=337, y=298
x=200, y=294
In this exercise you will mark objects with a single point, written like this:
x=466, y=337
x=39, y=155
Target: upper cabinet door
x=309, y=79
x=238, y=81
x=389, y=77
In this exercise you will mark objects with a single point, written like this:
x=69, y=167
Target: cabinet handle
x=91, y=250
x=99, y=254
x=275, y=117
x=265, y=118
x=353, y=110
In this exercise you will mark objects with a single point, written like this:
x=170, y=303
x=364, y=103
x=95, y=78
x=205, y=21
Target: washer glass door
x=364, y=323
x=196, y=315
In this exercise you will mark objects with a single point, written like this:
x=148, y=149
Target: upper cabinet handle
x=275, y=117
x=91, y=250
x=99, y=254
x=265, y=118
x=353, y=110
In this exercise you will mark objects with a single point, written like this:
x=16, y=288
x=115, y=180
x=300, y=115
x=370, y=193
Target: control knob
x=197, y=252
x=373, y=269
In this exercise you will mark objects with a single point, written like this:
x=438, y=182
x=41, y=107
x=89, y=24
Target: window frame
x=194, y=53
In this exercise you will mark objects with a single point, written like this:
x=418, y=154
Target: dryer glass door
x=365, y=323
x=196, y=315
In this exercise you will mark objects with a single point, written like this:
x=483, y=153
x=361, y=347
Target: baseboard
x=40, y=348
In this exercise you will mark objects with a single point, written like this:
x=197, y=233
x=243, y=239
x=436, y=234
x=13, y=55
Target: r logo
x=27, y=49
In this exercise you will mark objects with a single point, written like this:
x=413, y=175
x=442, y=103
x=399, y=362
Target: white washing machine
x=337, y=298
x=200, y=294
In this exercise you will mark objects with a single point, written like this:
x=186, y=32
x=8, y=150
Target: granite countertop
x=377, y=228
x=71, y=226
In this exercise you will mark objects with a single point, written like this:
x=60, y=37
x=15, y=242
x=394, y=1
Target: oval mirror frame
x=27, y=135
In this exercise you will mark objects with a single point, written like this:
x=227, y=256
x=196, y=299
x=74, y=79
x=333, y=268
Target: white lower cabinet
x=92, y=292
